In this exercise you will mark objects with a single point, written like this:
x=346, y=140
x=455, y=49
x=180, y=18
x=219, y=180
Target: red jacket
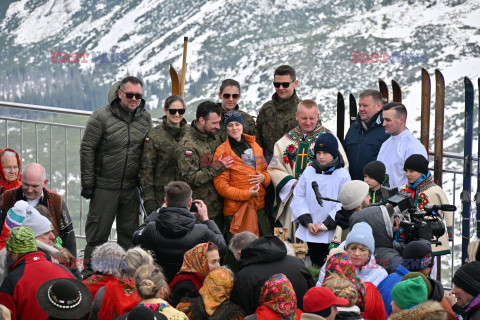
x=19, y=289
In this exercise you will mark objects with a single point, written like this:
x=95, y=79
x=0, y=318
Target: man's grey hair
x=43, y=171
x=108, y=259
x=240, y=241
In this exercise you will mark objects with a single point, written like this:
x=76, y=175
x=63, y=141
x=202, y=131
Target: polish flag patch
x=188, y=153
x=147, y=139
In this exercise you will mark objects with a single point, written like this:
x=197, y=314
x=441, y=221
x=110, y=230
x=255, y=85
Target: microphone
x=444, y=207
x=317, y=193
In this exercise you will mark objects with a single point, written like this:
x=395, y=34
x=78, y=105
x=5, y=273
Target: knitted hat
x=374, y=307
x=412, y=275
x=409, y=293
x=375, y=170
x=352, y=194
x=416, y=162
x=328, y=143
x=467, y=278
x=361, y=233
x=233, y=116
x=417, y=255
x=21, y=240
x=16, y=215
x=35, y=221
x=320, y=298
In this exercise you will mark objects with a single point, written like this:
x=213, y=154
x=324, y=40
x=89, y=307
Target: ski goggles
x=130, y=95
x=173, y=111
x=283, y=84
x=228, y=95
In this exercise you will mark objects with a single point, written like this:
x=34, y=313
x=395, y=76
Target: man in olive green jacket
x=230, y=94
x=110, y=154
x=194, y=155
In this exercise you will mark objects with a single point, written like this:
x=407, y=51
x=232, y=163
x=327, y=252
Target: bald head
x=34, y=179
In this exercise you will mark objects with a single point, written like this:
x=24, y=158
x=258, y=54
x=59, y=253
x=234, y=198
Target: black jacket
x=171, y=232
x=261, y=259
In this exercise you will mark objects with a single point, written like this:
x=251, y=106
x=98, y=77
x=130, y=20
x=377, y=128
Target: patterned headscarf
x=278, y=294
x=195, y=260
x=341, y=265
x=216, y=289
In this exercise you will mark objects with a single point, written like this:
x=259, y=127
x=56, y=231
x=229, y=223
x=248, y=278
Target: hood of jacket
x=431, y=310
x=113, y=95
x=437, y=290
x=262, y=250
x=174, y=222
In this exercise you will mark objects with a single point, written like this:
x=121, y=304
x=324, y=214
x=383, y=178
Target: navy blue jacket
x=363, y=146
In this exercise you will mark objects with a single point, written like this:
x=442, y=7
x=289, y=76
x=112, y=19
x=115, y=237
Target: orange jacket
x=233, y=183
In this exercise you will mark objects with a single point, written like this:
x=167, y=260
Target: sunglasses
x=227, y=95
x=129, y=95
x=283, y=84
x=173, y=111
x=232, y=114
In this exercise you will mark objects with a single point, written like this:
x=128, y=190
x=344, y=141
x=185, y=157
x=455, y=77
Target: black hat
x=64, y=298
x=328, y=143
x=467, y=278
x=417, y=255
x=375, y=170
x=142, y=313
x=416, y=162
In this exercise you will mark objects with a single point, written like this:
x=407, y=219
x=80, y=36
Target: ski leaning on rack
x=425, y=115
x=352, y=104
x=383, y=90
x=340, y=117
x=439, y=117
x=467, y=168
x=477, y=194
x=397, y=92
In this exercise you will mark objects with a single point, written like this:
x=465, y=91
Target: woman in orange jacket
x=242, y=185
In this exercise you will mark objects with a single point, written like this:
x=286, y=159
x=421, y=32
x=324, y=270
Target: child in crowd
x=374, y=175
x=317, y=224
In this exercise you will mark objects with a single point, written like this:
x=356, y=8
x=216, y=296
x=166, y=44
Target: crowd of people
x=211, y=193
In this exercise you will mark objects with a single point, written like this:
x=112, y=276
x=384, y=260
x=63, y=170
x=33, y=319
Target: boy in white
x=317, y=224
x=402, y=144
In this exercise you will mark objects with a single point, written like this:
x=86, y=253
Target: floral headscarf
x=195, y=260
x=278, y=295
x=216, y=289
x=341, y=265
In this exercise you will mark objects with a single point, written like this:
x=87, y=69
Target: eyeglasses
x=227, y=95
x=129, y=95
x=283, y=84
x=173, y=111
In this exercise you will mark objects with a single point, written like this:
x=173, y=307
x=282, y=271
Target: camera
x=426, y=224
x=193, y=208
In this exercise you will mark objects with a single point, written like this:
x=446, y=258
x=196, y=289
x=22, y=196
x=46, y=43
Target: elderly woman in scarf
x=197, y=263
x=277, y=300
x=369, y=299
x=10, y=166
x=213, y=302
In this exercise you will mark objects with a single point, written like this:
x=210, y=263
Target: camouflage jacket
x=248, y=128
x=275, y=119
x=158, y=165
x=194, y=154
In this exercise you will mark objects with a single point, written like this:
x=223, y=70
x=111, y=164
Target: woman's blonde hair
x=342, y=288
x=149, y=281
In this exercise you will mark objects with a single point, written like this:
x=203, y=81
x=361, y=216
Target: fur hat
x=328, y=143
x=430, y=310
x=352, y=194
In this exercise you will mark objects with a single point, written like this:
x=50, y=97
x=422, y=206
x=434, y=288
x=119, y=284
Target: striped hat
x=16, y=215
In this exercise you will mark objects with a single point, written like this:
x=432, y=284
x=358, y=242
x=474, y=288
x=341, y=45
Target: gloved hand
x=88, y=193
x=150, y=206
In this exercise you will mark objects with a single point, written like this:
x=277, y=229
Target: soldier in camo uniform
x=275, y=119
x=230, y=93
x=194, y=154
x=158, y=165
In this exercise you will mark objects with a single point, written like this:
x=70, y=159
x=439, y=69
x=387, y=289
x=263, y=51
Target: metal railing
x=55, y=143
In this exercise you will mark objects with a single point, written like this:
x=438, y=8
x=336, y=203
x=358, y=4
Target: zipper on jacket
x=126, y=156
